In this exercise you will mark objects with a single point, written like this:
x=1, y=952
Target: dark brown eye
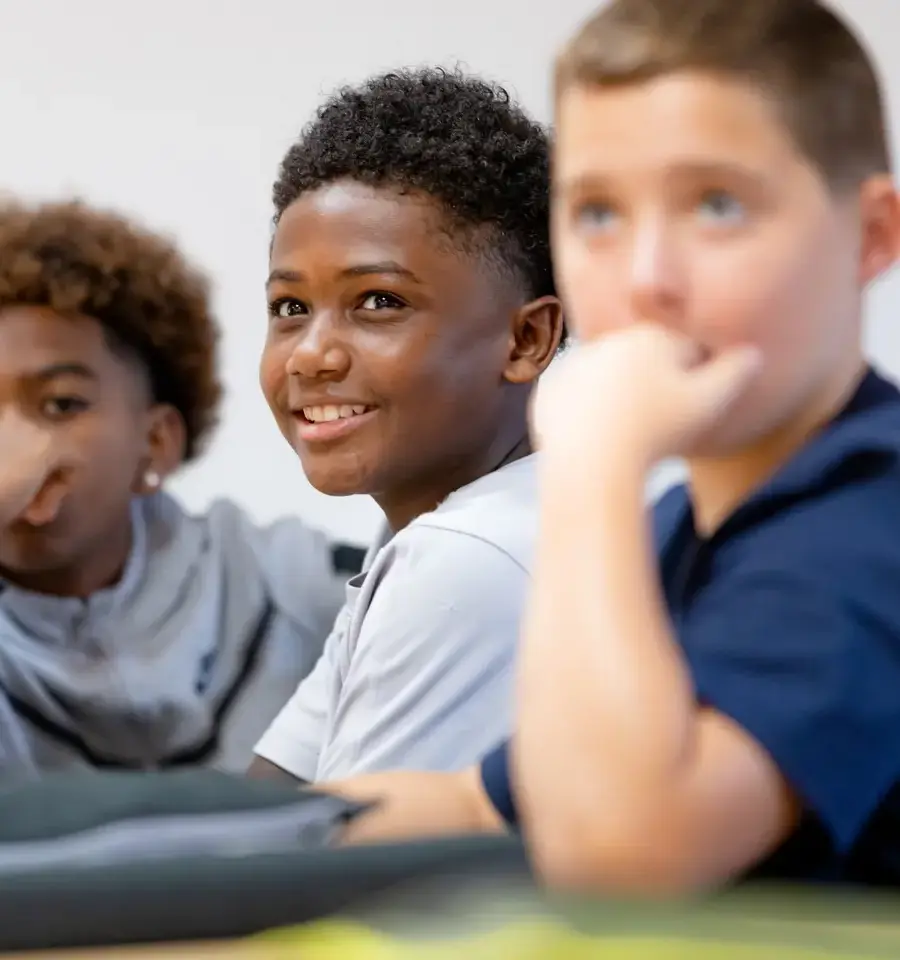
x=382, y=301
x=287, y=307
x=57, y=408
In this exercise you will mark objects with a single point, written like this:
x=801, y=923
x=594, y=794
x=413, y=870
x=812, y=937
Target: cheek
x=768, y=294
x=791, y=300
x=592, y=291
x=112, y=451
x=420, y=367
x=445, y=389
x=273, y=371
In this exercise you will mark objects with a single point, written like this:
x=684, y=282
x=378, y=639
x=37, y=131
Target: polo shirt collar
x=868, y=425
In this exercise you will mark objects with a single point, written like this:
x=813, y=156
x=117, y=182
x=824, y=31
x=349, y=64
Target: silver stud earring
x=152, y=480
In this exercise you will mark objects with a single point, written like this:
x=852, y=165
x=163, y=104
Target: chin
x=28, y=552
x=335, y=481
x=729, y=440
x=28, y=571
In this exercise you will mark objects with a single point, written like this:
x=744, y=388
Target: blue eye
x=722, y=207
x=595, y=216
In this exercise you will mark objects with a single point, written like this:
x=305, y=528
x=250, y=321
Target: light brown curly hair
x=79, y=261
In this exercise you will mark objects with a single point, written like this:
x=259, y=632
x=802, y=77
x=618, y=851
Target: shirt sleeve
x=497, y=785
x=430, y=682
x=295, y=737
x=814, y=679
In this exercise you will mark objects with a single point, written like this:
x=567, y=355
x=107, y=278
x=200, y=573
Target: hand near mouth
x=34, y=470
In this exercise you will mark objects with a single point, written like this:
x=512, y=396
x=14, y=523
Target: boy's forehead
x=35, y=337
x=684, y=119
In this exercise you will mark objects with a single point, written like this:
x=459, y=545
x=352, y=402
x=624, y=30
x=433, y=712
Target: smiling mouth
x=333, y=412
x=331, y=422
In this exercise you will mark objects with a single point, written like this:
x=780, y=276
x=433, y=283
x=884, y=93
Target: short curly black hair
x=453, y=137
x=76, y=260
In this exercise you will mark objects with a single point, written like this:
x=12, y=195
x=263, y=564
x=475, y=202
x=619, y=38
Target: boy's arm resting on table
x=413, y=804
x=429, y=684
x=623, y=782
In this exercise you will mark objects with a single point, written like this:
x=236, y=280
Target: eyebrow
x=587, y=182
x=361, y=270
x=64, y=370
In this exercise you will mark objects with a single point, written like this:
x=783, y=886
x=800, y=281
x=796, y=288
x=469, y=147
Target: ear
x=534, y=341
x=166, y=445
x=880, y=217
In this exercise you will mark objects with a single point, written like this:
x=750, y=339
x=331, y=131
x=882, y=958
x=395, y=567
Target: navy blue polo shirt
x=789, y=617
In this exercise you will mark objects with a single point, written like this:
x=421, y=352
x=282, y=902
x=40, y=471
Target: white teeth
x=327, y=413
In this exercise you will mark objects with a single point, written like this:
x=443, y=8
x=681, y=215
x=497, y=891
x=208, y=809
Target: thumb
x=719, y=382
x=48, y=501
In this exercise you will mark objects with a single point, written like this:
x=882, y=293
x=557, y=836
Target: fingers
x=44, y=448
x=37, y=465
x=21, y=437
x=45, y=506
x=719, y=382
x=57, y=470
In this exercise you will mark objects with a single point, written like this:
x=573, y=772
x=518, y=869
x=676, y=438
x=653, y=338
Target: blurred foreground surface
x=503, y=922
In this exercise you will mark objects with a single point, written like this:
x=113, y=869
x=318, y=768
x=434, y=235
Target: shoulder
x=290, y=543
x=294, y=560
x=446, y=564
x=226, y=519
x=439, y=588
x=496, y=515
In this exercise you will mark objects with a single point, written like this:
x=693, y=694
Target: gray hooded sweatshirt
x=185, y=661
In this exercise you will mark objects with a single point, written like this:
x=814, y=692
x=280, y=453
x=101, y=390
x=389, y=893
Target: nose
x=657, y=274
x=319, y=352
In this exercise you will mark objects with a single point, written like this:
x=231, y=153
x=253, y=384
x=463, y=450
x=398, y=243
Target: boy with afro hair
x=131, y=633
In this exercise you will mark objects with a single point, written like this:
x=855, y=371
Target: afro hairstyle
x=455, y=138
x=151, y=304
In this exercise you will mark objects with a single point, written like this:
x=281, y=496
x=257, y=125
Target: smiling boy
x=411, y=311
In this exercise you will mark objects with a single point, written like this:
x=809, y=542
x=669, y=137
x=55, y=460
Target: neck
x=719, y=485
x=401, y=507
x=97, y=571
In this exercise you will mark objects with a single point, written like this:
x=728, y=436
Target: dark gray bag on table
x=98, y=819
x=94, y=859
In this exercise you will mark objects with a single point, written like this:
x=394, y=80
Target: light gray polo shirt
x=418, y=671
x=186, y=661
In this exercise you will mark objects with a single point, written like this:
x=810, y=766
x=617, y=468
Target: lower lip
x=330, y=430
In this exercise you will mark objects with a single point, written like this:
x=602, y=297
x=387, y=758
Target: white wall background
x=178, y=112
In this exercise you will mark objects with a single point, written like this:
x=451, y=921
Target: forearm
x=606, y=712
x=412, y=804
